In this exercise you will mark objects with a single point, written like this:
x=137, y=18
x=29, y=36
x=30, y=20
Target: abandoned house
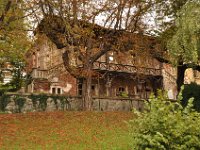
x=131, y=74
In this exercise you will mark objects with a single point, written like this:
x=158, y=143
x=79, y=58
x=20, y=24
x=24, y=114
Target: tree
x=12, y=29
x=176, y=28
x=16, y=70
x=13, y=34
x=184, y=43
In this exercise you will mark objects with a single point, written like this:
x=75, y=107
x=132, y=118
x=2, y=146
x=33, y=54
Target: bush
x=191, y=90
x=165, y=125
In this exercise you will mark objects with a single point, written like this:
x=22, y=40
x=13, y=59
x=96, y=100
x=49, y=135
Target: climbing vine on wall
x=39, y=101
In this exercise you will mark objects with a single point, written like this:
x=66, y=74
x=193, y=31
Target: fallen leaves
x=72, y=130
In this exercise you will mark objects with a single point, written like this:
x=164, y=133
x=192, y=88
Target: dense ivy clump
x=4, y=100
x=19, y=101
x=165, y=125
x=41, y=98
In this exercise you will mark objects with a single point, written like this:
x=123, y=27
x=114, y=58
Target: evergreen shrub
x=189, y=91
x=165, y=125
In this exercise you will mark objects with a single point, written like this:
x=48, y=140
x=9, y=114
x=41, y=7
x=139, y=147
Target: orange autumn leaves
x=63, y=130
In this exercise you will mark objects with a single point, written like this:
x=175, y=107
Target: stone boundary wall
x=22, y=103
x=117, y=104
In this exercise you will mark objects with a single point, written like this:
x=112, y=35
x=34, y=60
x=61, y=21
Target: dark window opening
x=53, y=90
x=59, y=91
x=93, y=87
x=121, y=89
x=80, y=90
x=139, y=90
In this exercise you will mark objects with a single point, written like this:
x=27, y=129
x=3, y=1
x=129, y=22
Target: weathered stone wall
x=24, y=103
x=117, y=104
x=31, y=103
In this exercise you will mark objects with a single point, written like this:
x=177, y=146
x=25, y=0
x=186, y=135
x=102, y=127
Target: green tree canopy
x=13, y=31
x=184, y=45
x=13, y=39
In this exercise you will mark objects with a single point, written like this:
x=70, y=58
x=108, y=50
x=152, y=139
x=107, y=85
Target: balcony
x=99, y=66
x=126, y=68
x=39, y=73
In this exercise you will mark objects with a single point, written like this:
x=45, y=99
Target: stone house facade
x=46, y=68
x=130, y=74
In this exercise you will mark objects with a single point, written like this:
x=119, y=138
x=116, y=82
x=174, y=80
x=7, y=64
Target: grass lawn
x=65, y=131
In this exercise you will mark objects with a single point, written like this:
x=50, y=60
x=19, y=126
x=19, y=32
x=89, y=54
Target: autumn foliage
x=64, y=130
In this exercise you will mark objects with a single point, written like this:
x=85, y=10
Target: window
x=53, y=90
x=34, y=59
x=58, y=90
x=111, y=57
x=80, y=89
x=94, y=90
x=121, y=89
x=134, y=57
x=93, y=87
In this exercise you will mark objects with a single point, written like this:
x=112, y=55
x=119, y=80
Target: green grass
x=65, y=131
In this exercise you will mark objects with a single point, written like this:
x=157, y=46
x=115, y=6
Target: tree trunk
x=180, y=76
x=87, y=97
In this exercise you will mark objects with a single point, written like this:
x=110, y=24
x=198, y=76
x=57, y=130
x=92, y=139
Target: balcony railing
x=37, y=73
x=126, y=68
x=101, y=66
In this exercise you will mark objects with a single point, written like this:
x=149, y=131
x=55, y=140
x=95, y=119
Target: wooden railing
x=48, y=73
x=37, y=73
x=126, y=68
